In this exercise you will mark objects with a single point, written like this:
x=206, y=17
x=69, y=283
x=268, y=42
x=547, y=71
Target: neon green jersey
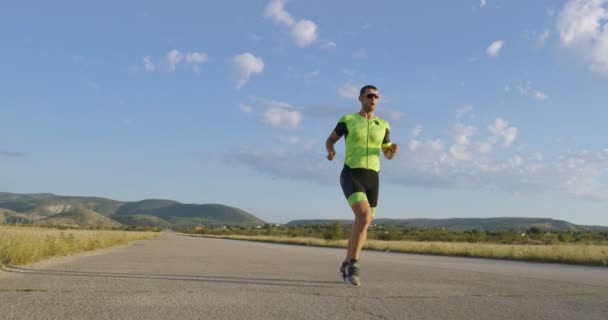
x=363, y=140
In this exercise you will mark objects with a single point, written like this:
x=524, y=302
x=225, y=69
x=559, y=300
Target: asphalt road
x=181, y=277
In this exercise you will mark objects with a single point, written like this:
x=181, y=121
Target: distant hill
x=142, y=220
x=488, y=224
x=193, y=214
x=150, y=212
x=144, y=206
x=46, y=204
x=79, y=217
x=178, y=214
x=12, y=217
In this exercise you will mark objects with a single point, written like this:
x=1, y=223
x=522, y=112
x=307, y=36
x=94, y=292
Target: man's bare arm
x=329, y=145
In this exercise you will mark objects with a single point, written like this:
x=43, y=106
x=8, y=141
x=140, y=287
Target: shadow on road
x=199, y=278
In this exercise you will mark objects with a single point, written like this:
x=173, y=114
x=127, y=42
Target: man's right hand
x=331, y=155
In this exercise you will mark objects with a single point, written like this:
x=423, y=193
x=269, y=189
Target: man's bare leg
x=358, y=235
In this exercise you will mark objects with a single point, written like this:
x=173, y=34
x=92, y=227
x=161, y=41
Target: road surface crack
x=375, y=315
x=24, y=290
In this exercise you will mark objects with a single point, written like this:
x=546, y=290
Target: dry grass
x=585, y=254
x=23, y=245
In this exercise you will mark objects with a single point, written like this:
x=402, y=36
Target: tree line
x=337, y=231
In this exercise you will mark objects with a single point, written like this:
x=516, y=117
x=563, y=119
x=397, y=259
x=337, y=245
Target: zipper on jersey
x=367, y=146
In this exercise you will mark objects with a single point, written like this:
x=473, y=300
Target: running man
x=365, y=135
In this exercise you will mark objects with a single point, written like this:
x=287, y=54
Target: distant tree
x=565, y=237
x=334, y=231
x=389, y=233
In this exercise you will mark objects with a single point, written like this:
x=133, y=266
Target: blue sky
x=499, y=106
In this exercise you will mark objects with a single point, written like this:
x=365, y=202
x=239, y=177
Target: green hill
x=79, y=218
x=47, y=204
x=142, y=220
x=196, y=214
x=141, y=213
x=144, y=206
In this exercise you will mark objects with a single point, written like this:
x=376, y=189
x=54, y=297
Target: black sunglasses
x=372, y=95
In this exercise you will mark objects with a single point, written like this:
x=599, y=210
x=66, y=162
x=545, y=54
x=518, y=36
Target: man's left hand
x=391, y=151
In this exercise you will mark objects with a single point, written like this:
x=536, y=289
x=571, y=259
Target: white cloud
x=577, y=175
x=538, y=95
x=282, y=115
x=583, y=27
x=482, y=3
x=528, y=91
x=582, y=173
x=461, y=134
x=148, y=64
x=349, y=91
x=307, y=76
x=173, y=58
x=464, y=166
x=279, y=114
x=484, y=147
x=580, y=20
x=463, y=111
x=304, y=32
x=413, y=144
x=495, y=48
x=537, y=156
x=245, y=65
x=416, y=131
x=299, y=165
x=500, y=129
x=195, y=59
x=276, y=11
x=246, y=108
x=600, y=53
x=460, y=152
x=392, y=115
x=329, y=45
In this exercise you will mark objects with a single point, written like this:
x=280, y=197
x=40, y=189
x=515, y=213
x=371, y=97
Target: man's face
x=369, y=100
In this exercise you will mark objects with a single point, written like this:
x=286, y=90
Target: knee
x=365, y=218
x=363, y=214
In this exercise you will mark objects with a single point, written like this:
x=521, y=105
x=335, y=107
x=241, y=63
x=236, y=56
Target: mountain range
x=50, y=209
x=487, y=224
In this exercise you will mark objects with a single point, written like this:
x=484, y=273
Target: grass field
x=23, y=245
x=584, y=254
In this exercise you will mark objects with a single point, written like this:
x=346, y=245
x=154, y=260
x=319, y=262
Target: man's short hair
x=369, y=86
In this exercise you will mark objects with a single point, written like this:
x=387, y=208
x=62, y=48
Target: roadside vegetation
x=24, y=244
x=534, y=244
